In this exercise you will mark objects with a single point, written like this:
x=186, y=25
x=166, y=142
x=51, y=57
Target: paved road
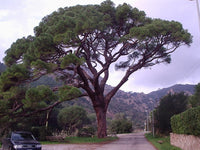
x=134, y=141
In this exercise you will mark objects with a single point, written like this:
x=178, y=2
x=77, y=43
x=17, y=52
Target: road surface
x=134, y=141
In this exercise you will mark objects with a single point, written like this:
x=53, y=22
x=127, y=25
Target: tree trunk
x=47, y=118
x=101, y=121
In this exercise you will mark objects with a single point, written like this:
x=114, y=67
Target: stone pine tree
x=80, y=44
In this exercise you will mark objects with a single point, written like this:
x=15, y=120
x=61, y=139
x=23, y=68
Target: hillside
x=142, y=102
x=133, y=105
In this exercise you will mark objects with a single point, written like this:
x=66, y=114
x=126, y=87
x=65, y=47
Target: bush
x=40, y=132
x=121, y=126
x=87, y=132
x=187, y=122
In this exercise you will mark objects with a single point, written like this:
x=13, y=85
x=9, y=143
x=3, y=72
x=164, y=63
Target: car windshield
x=22, y=136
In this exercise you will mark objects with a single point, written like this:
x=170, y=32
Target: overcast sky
x=19, y=17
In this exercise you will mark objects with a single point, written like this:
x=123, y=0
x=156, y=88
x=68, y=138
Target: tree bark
x=101, y=121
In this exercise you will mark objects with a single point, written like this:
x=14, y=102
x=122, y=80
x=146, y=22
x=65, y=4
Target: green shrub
x=87, y=132
x=187, y=122
x=40, y=132
x=121, y=126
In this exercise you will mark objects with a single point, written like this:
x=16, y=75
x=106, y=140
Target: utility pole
x=153, y=130
x=198, y=11
x=147, y=121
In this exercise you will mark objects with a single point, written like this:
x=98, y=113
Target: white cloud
x=3, y=13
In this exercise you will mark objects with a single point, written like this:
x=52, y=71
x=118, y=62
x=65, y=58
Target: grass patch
x=50, y=142
x=164, y=140
x=82, y=140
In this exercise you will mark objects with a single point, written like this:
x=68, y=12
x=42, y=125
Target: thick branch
x=43, y=109
x=86, y=85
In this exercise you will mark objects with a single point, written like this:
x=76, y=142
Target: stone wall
x=185, y=142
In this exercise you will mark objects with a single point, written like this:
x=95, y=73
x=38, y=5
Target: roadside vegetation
x=161, y=143
x=177, y=113
x=171, y=104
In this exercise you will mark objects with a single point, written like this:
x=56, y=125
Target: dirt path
x=134, y=141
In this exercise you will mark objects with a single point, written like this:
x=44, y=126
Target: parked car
x=21, y=140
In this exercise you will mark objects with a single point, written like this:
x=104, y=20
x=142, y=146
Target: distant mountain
x=186, y=88
x=148, y=100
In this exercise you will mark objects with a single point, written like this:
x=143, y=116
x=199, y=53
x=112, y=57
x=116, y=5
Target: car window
x=22, y=136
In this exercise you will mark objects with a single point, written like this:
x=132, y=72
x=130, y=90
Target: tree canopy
x=72, y=118
x=170, y=105
x=79, y=44
x=195, y=99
